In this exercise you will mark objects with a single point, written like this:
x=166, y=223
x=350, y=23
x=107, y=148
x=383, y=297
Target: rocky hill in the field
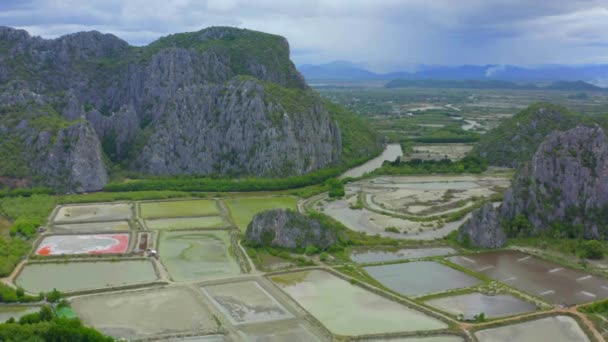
x=218, y=101
x=562, y=191
x=289, y=229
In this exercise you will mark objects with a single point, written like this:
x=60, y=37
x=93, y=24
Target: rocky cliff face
x=483, y=229
x=565, y=186
x=288, y=229
x=218, y=101
x=562, y=191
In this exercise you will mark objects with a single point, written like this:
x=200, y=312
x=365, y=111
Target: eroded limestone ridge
x=288, y=229
x=217, y=101
x=562, y=191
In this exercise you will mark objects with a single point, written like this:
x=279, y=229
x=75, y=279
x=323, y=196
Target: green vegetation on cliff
x=516, y=139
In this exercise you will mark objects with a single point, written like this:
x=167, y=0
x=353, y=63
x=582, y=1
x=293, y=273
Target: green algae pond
x=84, y=275
x=346, y=309
x=197, y=255
x=150, y=210
x=420, y=277
x=186, y=223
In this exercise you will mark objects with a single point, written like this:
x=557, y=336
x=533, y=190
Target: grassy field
x=186, y=223
x=244, y=209
x=191, y=208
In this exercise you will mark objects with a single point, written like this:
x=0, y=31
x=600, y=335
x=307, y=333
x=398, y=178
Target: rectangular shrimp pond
x=245, y=302
x=371, y=256
x=197, y=255
x=186, y=223
x=553, y=283
x=94, y=213
x=472, y=304
x=91, y=227
x=346, y=309
x=144, y=313
x=84, y=244
x=151, y=210
x=420, y=277
x=84, y=275
x=553, y=329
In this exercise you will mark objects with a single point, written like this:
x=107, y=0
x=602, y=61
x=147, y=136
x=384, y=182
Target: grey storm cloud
x=382, y=34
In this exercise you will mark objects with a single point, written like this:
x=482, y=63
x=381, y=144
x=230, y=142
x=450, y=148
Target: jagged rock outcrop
x=72, y=160
x=562, y=191
x=217, y=101
x=288, y=229
x=565, y=186
x=483, y=229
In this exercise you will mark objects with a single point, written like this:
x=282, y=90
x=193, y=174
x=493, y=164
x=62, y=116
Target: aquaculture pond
x=554, y=329
x=16, y=311
x=91, y=227
x=372, y=256
x=280, y=332
x=420, y=277
x=144, y=313
x=94, y=213
x=190, y=208
x=471, y=304
x=346, y=309
x=196, y=255
x=552, y=282
x=443, y=338
x=246, y=302
x=84, y=244
x=186, y=223
x=84, y=275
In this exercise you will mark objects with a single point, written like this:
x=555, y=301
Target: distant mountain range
x=343, y=70
x=492, y=84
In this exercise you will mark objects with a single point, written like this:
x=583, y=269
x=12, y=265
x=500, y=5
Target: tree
x=591, y=249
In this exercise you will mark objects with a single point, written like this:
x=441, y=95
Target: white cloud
x=383, y=34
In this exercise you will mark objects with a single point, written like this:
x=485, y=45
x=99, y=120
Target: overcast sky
x=380, y=34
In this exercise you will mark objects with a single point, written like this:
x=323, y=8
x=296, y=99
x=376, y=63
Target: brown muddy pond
x=364, y=257
x=552, y=282
x=472, y=304
x=420, y=277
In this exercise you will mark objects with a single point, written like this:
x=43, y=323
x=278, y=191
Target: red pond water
x=84, y=244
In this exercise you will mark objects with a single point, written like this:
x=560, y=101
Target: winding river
x=390, y=153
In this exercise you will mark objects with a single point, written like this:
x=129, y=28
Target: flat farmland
x=191, y=208
x=245, y=208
